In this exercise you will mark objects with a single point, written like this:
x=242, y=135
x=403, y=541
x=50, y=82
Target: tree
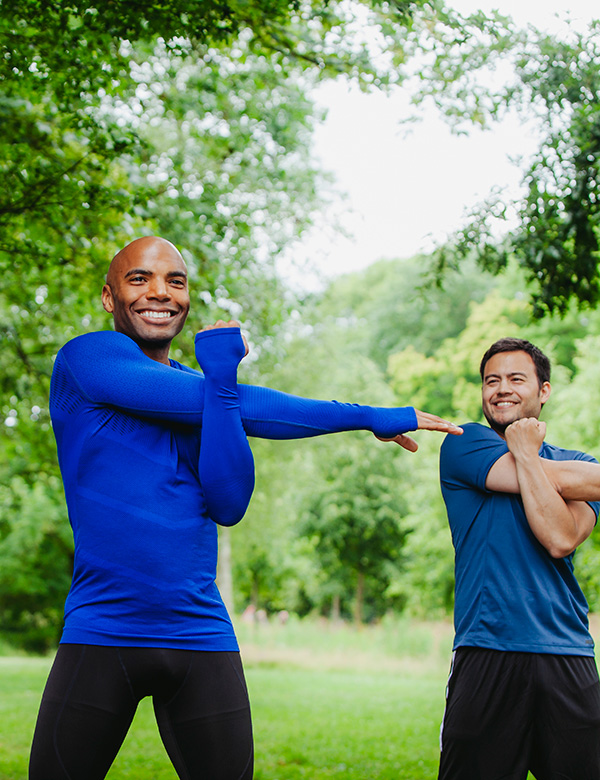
x=425, y=584
x=355, y=522
x=78, y=173
x=63, y=65
x=391, y=306
x=555, y=84
x=80, y=39
x=34, y=534
x=448, y=382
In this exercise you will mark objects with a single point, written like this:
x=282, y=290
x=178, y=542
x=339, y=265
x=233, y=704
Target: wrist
x=219, y=352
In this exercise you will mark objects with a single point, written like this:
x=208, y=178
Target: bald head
x=138, y=249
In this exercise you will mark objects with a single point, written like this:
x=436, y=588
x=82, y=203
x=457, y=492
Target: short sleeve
x=465, y=461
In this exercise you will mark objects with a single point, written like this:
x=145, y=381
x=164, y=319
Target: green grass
x=345, y=724
x=327, y=702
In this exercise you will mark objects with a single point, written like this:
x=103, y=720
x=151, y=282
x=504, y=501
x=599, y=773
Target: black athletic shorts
x=510, y=713
x=200, y=700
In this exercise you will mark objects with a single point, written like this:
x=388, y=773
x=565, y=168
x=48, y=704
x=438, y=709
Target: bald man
x=153, y=456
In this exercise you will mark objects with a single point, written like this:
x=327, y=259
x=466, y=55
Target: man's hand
x=229, y=324
x=425, y=422
x=524, y=437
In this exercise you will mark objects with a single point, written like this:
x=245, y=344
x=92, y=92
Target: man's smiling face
x=511, y=389
x=147, y=294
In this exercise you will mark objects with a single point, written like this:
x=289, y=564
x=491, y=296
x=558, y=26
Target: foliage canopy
x=477, y=70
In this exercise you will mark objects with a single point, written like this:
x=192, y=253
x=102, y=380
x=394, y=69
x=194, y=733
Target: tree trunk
x=360, y=595
x=335, y=609
x=224, y=574
x=254, y=591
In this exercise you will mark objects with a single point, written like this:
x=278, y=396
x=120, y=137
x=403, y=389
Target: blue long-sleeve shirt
x=144, y=485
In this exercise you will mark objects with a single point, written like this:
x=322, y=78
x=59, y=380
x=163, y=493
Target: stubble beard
x=500, y=428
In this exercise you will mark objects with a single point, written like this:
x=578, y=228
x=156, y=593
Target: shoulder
x=469, y=459
x=101, y=349
x=473, y=433
x=102, y=353
x=100, y=340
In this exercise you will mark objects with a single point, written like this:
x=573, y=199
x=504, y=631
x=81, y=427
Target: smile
x=157, y=315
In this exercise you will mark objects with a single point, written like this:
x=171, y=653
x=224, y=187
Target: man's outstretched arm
x=110, y=369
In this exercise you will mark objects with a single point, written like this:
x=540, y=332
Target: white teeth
x=156, y=315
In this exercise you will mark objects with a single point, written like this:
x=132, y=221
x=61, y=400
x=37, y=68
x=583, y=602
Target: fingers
x=431, y=422
x=221, y=324
x=426, y=422
x=228, y=324
x=528, y=425
x=527, y=429
x=404, y=441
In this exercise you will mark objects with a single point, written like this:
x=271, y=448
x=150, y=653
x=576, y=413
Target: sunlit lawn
x=327, y=702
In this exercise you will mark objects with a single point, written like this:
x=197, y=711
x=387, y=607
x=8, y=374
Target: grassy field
x=328, y=702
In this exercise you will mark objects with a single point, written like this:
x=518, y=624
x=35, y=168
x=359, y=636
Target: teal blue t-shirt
x=510, y=594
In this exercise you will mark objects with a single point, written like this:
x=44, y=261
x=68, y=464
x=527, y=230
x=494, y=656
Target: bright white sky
x=408, y=188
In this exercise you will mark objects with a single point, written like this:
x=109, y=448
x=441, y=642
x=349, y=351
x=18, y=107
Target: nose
x=158, y=289
x=503, y=386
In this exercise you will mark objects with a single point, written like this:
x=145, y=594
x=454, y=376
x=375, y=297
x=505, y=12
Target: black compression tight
x=200, y=700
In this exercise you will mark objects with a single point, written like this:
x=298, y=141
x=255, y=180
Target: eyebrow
x=145, y=272
x=512, y=373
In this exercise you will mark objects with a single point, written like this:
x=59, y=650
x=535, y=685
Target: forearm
x=270, y=414
x=550, y=517
x=575, y=480
x=226, y=465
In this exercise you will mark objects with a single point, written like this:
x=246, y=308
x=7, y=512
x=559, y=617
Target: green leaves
x=480, y=69
x=355, y=519
x=33, y=535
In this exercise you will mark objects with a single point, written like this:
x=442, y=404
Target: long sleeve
x=226, y=465
x=110, y=369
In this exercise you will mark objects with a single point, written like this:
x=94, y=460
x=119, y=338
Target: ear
x=545, y=391
x=107, y=299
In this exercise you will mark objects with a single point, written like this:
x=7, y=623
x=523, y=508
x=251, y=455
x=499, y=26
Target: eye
x=137, y=279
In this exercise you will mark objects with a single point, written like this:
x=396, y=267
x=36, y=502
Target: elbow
x=227, y=505
x=560, y=548
x=228, y=515
x=228, y=521
x=230, y=512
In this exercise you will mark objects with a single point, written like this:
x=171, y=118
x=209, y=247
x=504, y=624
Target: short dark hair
x=541, y=362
